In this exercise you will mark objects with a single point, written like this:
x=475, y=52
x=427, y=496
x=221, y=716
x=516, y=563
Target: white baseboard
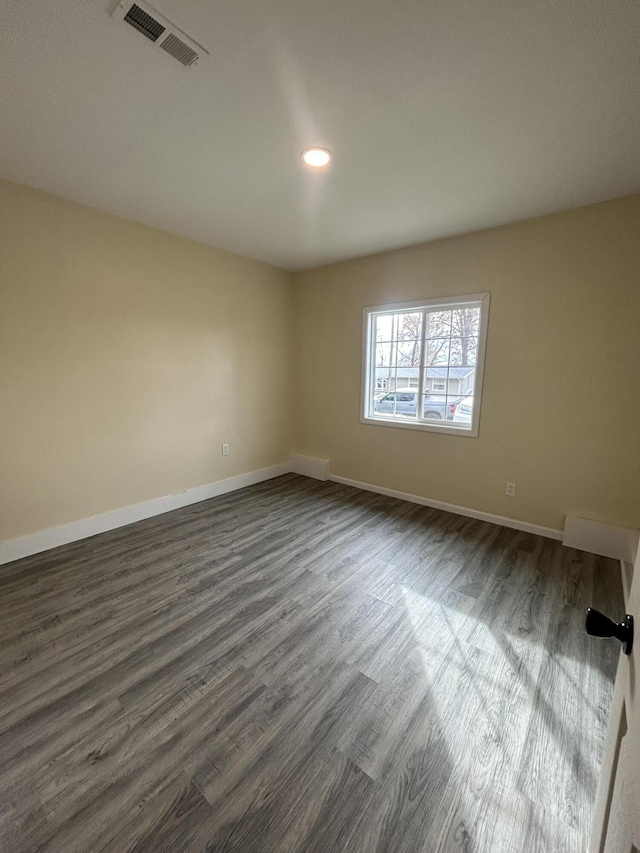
x=35, y=543
x=502, y=520
x=621, y=543
x=309, y=466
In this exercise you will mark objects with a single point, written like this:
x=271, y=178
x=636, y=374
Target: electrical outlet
x=511, y=490
x=225, y=449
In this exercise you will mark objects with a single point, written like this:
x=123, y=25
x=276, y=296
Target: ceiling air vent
x=144, y=23
x=179, y=50
x=158, y=29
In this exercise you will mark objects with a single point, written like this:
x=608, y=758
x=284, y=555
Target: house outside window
x=435, y=350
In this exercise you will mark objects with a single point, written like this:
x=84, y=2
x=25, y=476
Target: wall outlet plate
x=510, y=490
x=225, y=449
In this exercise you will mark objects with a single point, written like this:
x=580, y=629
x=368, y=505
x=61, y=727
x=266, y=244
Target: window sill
x=447, y=428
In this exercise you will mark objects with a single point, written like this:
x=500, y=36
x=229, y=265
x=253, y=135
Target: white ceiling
x=444, y=116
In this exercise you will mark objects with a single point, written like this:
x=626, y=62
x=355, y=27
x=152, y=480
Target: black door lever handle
x=598, y=625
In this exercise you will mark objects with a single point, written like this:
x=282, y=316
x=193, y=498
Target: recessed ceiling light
x=316, y=157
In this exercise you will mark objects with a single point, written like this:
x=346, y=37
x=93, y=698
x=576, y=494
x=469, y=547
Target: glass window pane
x=409, y=326
x=435, y=381
x=465, y=322
x=452, y=404
x=438, y=324
x=384, y=327
x=400, y=405
x=437, y=351
x=463, y=351
x=384, y=378
x=434, y=407
x=385, y=354
x=453, y=391
x=467, y=381
x=463, y=403
x=409, y=353
x=463, y=415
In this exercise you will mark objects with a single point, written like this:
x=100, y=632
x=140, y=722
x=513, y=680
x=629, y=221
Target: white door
x=616, y=824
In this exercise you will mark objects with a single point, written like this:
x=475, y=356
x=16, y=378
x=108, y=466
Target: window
x=435, y=350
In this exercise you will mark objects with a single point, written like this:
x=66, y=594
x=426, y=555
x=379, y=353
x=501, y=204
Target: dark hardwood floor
x=301, y=666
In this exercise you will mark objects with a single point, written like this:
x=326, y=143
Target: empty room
x=319, y=426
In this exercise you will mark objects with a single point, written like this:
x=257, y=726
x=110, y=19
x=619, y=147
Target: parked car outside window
x=404, y=404
x=464, y=411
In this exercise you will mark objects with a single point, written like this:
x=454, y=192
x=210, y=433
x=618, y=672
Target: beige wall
x=127, y=356
x=561, y=408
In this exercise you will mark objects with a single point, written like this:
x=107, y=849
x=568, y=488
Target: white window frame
x=367, y=416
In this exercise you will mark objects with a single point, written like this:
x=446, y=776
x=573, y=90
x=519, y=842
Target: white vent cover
x=159, y=30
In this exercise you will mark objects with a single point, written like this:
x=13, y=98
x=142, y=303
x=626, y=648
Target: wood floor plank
x=301, y=667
